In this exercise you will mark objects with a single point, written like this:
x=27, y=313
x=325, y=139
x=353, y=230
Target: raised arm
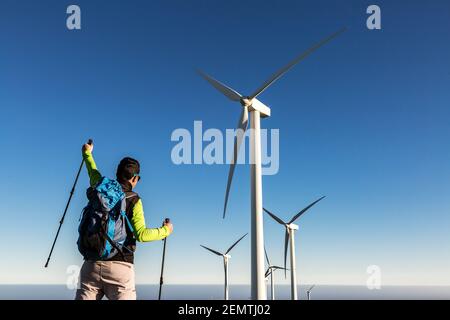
x=142, y=233
x=94, y=175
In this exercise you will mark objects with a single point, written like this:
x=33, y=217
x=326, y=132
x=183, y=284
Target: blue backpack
x=102, y=230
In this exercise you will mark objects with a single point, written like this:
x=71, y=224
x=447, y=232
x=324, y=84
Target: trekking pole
x=161, y=280
x=65, y=210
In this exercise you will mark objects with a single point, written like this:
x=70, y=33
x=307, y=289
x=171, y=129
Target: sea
x=238, y=292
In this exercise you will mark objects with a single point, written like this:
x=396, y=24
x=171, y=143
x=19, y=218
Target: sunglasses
x=136, y=175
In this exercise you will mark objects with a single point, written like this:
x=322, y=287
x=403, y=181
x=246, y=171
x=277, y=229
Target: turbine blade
x=299, y=58
x=234, y=244
x=268, y=273
x=227, y=91
x=213, y=251
x=304, y=210
x=311, y=287
x=241, y=129
x=286, y=241
x=267, y=257
x=274, y=217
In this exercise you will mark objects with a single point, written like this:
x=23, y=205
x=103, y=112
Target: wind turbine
x=308, y=292
x=250, y=104
x=289, y=239
x=226, y=257
x=269, y=272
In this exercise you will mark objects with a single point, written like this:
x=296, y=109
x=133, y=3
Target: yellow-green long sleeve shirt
x=141, y=232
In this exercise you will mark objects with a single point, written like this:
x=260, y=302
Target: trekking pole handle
x=90, y=142
x=166, y=220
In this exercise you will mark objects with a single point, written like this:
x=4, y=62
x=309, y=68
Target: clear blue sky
x=364, y=121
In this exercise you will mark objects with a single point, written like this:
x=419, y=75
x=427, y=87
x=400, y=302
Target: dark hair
x=127, y=169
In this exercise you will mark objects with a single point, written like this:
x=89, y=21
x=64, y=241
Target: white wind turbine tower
x=289, y=239
x=257, y=111
x=270, y=272
x=226, y=257
x=308, y=292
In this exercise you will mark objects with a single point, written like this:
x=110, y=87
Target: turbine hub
x=246, y=102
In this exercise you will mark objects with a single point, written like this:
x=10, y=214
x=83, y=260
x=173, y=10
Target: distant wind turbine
x=308, y=292
x=270, y=272
x=257, y=111
x=289, y=238
x=226, y=257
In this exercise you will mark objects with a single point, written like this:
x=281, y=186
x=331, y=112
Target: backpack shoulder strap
x=130, y=194
x=131, y=199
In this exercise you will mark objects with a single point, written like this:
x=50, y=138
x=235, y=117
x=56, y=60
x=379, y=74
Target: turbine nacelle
x=292, y=226
x=256, y=105
x=226, y=256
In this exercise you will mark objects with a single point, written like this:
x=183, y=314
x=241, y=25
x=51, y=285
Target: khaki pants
x=113, y=279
